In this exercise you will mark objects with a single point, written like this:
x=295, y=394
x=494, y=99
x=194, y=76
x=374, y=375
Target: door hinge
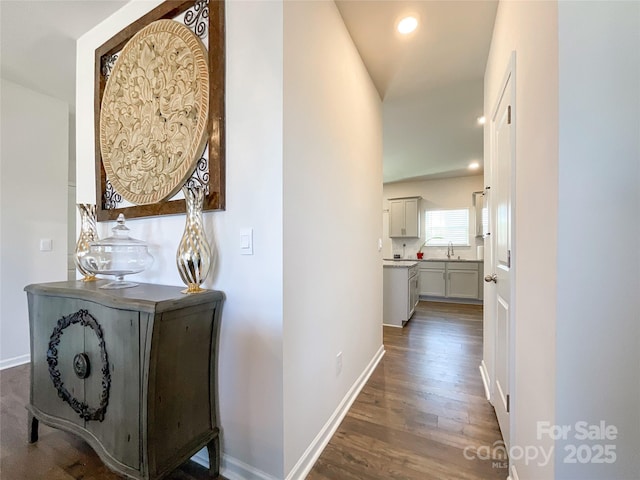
x=509, y=258
x=509, y=115
x=508, y=403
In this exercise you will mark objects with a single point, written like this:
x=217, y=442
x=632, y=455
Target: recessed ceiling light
x=481, y=120
x=474, y=166
x=407, y=25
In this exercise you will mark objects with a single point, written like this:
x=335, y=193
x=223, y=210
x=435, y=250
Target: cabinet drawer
x=462, y=266
x=432, y=265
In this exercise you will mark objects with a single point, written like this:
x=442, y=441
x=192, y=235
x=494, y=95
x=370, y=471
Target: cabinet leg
x=32, y=428
x=213, y=448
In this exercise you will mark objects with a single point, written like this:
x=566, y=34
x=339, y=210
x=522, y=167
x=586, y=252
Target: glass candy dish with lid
x=118, y=255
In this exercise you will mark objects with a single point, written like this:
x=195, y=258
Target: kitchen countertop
x=391, y=260
x=402, y=263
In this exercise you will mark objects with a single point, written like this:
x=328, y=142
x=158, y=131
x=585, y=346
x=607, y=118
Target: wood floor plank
x=421, y=408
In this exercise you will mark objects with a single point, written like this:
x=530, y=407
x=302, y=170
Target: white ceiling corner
x=38, y=41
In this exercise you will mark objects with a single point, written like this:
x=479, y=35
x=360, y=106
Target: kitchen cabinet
x=432, y=279
x=460, y=280
x=404, y=217
x=414, y=287
x=401, y=292
x=133, y=372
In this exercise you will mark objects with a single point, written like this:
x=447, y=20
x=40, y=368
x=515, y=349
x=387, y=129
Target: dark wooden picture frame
x=215, y=199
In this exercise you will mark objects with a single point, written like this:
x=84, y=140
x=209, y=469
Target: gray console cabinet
x=132, y=371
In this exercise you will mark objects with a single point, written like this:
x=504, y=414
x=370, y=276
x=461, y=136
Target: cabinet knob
x=491, y=278
x=81, y=365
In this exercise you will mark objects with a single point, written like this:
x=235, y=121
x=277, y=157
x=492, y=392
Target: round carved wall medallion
x=153, y=118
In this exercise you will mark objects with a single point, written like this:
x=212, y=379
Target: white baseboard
x=513, y=475
x=232, y=468
x=485, y=380
x=390, y=325
x=311, y=454
x=15, y=361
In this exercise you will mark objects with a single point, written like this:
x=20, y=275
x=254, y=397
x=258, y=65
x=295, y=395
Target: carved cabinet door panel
x=87, y=370
x=53, y=350
x=119, y=432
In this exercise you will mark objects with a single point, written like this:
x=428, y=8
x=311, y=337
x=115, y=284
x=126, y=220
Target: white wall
x=72, y=212
x=531, y=30
x=33, y=206
x=251, y=385
x=446, y=193
x=598, y=332
x=332, y=222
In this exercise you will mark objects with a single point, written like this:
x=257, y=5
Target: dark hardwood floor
x=422, y=407
x=56, y=455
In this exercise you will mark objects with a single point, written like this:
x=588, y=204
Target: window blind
x=444, y=226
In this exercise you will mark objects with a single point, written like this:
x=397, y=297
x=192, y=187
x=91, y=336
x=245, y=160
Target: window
x=444, y=226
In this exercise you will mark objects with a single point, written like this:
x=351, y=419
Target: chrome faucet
x=450, y=250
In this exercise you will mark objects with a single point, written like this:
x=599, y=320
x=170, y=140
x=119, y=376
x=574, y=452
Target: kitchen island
x=401, y=291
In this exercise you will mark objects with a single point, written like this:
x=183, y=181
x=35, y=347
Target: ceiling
x=430, y=81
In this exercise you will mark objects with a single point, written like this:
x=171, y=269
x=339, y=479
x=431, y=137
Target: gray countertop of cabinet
x=472, y=260
x=391, y=260
x=145, y=297
x=399, y=263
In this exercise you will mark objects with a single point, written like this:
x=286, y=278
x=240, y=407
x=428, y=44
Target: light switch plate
x=46, y=245
x=246, y=241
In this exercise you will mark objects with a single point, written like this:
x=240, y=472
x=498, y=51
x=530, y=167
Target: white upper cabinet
x=404, y=217
x=396, y=218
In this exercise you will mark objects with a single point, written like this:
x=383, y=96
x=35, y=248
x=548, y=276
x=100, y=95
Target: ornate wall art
x=154, y=112
x=171, y=141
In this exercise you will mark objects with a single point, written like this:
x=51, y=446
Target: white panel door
x=502, y=131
